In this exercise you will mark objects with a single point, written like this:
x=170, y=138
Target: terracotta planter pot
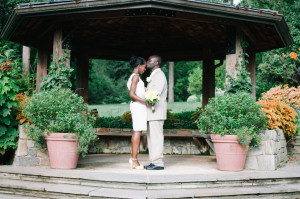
x=62, y=150
x=230, y=154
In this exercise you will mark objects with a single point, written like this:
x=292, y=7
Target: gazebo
x=178, y=30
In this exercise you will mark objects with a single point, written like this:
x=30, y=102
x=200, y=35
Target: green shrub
x=127, y=117
x=112, y=122
x=182, y=120
x=8, y=104
x=62, y=111
x=229, y=113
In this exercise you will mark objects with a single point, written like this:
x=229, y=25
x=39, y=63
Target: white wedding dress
x=138, y=109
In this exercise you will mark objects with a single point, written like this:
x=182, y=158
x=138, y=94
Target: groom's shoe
x=150, y=165
x=154, y=167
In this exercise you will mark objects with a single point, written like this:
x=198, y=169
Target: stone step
x=153, y=184
x=28, y=189
x=296, y=149
x=297, y=143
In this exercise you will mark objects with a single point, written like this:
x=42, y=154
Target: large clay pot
x=230, y=154
x=61, y=148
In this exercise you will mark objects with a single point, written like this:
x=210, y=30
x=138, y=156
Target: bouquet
x=152, y=97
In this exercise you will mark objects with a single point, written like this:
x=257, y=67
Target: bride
x=138, y=107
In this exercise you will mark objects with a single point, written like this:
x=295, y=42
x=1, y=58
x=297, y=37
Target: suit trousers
x=155, y=139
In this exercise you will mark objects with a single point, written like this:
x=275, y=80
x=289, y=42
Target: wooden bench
x=192, y=133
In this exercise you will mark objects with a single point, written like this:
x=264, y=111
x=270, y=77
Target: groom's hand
x=149, y=104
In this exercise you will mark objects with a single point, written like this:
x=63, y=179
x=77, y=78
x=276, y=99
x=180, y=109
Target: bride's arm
x=132, y=95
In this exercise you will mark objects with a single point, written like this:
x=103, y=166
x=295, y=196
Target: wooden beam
x=171, y=82
x=208, y=80
x=42, y=66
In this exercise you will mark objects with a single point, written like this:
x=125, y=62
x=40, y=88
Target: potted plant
x=233, y=121
x=60, y=117
x=60, y=121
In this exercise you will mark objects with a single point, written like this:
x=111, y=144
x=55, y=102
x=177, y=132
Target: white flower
x=151, y=96
x=148, y=79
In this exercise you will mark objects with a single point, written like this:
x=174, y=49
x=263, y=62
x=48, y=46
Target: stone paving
x=183, y=167
x=187, y=176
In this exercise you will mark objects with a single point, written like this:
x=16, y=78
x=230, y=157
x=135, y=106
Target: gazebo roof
x=117, y=29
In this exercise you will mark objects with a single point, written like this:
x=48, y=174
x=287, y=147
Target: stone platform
x=185, y=176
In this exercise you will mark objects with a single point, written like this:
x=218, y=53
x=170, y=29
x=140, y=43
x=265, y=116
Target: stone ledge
x=271, y=154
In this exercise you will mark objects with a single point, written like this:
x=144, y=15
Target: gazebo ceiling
x=177, y=29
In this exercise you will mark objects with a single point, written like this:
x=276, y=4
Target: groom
x=155, y=137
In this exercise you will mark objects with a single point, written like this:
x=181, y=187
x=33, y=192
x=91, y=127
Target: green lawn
x=112, y=110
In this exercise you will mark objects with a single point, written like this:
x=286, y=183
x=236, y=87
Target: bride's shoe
x=140, y=167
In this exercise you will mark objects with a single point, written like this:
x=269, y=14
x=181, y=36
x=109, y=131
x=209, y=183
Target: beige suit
x=155, y=136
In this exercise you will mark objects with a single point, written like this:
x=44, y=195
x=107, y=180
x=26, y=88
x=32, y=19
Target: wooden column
x=233, y=60
x=42, y=66
x=82, y=75
x=171, y=82
x=68, y=59
x=57, y=44
x=26, y=60
x=251, y=68
x=208, y=76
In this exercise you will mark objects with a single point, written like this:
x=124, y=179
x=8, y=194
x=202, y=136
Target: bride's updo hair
x=135, y=61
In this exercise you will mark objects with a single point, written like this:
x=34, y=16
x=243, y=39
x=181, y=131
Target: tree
x=182, y=71
x=272, y=70
x=108, y=82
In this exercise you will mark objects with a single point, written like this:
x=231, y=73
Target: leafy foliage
x=195, y=81
x=8, y=105
x=182, y=70
x=271, y=70
x=59, y=110
x=127, y=117
x=107, y=82
x=290, y=95
x=58, y=75
x=242, y=81
x=21, y=98
x=280, y=115
x=229, y=113
x=182, y=120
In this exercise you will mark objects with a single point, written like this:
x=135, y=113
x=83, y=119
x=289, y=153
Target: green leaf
x=3, y=130
x=5, y=112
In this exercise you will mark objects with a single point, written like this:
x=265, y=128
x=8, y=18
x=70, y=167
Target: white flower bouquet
x=152, y=97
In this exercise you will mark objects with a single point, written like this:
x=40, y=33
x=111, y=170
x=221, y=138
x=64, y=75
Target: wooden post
x=208, y=76
x=251, y=68
x=171, y=82
x=57, y=44
x=26, y=60
x=68, y=59
x=42, y=66
x=234, y=60
x=83, y=75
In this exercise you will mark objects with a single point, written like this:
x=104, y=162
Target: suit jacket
x=158, y=83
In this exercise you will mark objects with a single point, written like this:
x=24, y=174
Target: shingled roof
x=116, y=29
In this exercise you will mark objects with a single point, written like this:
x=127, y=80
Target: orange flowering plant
x=290, y=95
x=281, y=104
x=280, y=115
